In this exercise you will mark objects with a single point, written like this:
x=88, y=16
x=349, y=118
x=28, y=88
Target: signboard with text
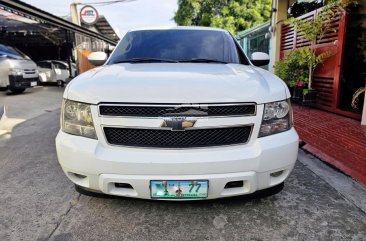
x=89, y=15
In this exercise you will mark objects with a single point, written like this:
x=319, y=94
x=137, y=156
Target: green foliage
x=311, y=59
x=233, y=15
x=292, y=69
x=322, y=24
x=298, y=65
x=311, y=29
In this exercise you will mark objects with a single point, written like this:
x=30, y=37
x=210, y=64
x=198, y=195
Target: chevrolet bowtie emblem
x=178, y=123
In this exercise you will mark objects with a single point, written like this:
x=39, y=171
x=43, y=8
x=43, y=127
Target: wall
x=277, y=19
x=363, y=4
x=255, y=40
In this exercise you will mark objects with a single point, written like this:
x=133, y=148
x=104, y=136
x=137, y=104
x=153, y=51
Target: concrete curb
x=350, y=189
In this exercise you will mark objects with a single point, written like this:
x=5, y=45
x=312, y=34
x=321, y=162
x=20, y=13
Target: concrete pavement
x=38, y=202
x=21, y=107
x=33, y=102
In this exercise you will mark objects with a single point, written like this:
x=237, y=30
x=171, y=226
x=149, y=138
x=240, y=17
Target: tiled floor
x=335, y=139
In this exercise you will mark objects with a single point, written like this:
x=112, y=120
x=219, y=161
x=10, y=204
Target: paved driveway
x=32, y=102
x=38, y=202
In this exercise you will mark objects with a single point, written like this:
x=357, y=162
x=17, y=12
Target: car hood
x=176, y=83
x=22, y=64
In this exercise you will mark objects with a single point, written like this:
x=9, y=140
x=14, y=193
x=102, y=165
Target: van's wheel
x=60, y=83
x=39, y=81
x=17, y=90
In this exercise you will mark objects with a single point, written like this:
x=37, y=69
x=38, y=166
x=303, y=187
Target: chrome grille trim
x=177, y=106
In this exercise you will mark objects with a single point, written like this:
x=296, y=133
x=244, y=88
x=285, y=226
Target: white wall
x=363, y=4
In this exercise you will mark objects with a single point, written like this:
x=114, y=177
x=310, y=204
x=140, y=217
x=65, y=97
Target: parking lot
x=38, y=202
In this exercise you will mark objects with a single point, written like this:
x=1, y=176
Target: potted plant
x=294, y=71
x=300, y=87
x=312, y=60
x=297, y=69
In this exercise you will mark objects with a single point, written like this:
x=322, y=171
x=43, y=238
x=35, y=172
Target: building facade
x=256, y=39
x=340, y=75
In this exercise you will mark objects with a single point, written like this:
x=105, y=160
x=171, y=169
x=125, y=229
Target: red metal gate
x=327, y=76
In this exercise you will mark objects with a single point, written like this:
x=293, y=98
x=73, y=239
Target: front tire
x=17, y=90
x=60, y=83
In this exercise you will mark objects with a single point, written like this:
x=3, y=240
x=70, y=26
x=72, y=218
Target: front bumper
x=95, y=166
x=16, y=82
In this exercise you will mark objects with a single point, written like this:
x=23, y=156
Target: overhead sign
x=89, y=15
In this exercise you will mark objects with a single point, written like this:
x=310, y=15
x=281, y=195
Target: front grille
x=181, y=110
x=20, y=81
x=29, y=71
x=177, y=139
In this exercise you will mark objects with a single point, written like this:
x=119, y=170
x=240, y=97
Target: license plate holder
x=179, y=189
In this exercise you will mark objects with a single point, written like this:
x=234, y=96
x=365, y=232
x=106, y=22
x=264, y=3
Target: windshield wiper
x=198, y=60
x=146, y=60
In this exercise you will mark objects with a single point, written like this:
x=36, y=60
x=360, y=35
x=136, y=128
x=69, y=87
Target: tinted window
x=45, y=65
x=59, y=65
x=177, y=45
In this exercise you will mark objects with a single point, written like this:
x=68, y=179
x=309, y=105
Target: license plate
x=33, y=83
x=179, y=189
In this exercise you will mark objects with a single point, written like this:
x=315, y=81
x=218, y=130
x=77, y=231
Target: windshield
x=177, y=46
x=12, y=52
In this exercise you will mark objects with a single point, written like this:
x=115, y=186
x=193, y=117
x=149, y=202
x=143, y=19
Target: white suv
x=177, y=113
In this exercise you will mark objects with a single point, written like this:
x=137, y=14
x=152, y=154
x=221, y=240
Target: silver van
x=55, y=71
x=17, y=70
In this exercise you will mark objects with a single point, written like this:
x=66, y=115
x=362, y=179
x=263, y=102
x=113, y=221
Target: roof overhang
x=31, y=12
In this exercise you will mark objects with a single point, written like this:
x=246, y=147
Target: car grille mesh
x=159, y=111
x=177, y=139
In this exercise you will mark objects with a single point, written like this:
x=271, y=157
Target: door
x=61, y=71
x=46, y=73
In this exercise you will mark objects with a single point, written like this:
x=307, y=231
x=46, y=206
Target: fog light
x=276, y=174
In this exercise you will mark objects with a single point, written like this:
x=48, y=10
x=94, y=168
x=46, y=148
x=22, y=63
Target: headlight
x=277, y=117
x=15, y=71
x=76, y=119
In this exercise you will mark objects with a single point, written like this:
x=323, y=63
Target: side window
x=44, y=65
x=59, y=66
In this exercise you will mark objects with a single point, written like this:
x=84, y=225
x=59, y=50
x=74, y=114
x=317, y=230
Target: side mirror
x=97, y=58
x=259, y=58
